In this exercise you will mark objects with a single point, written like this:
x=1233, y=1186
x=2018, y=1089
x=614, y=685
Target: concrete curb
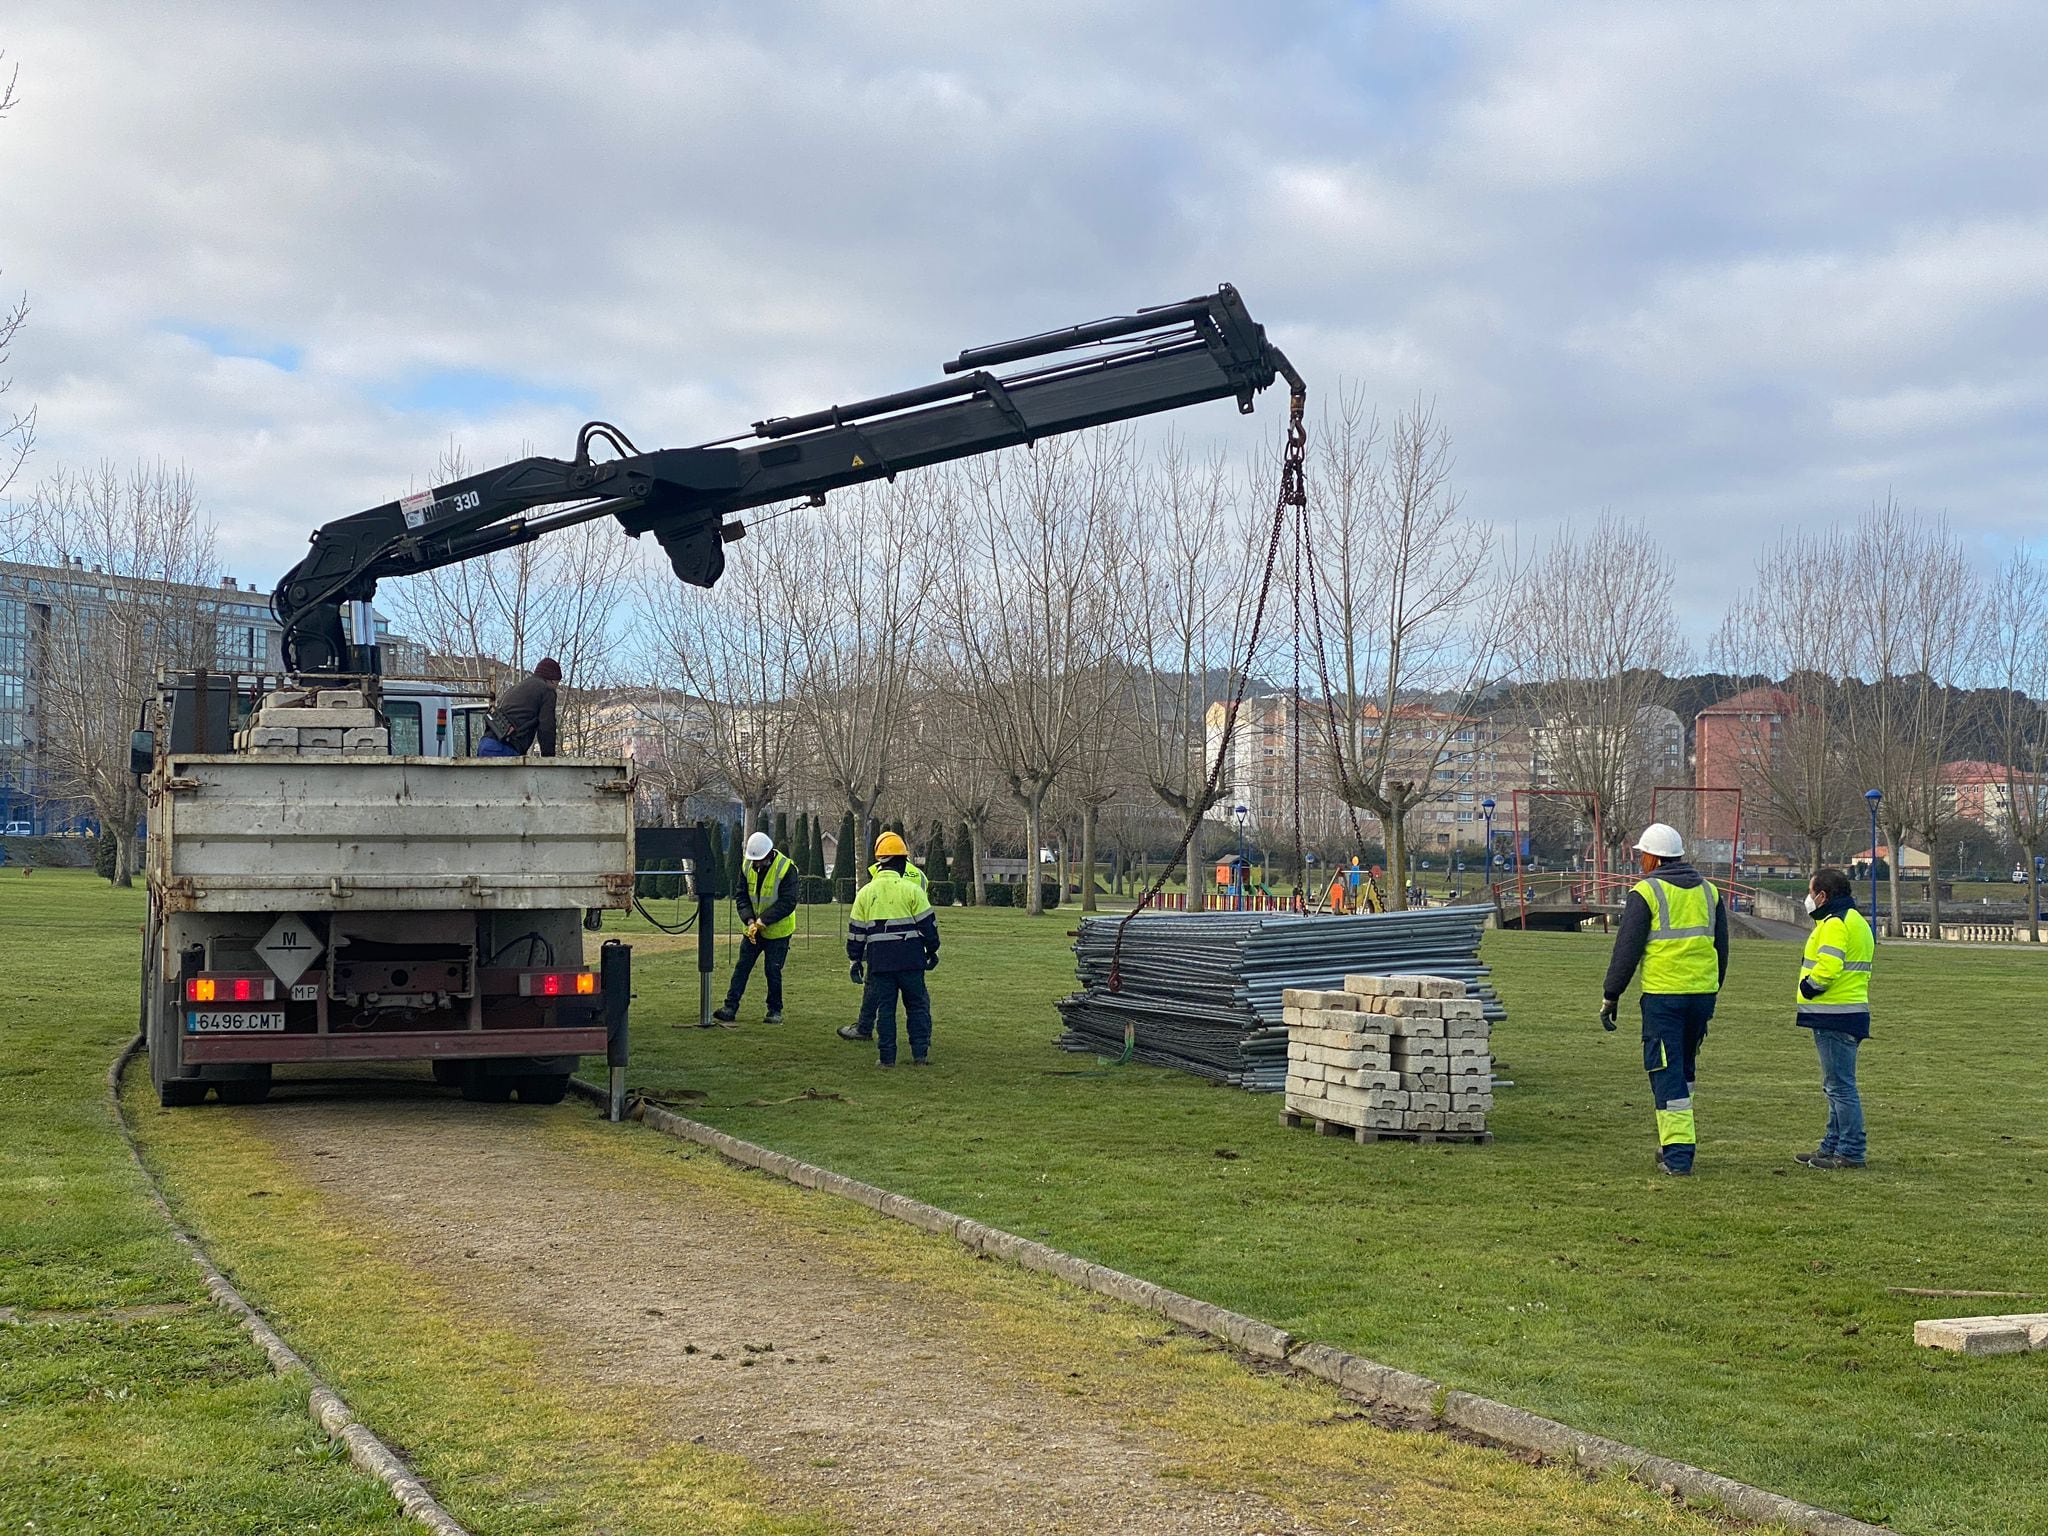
x=1367, y=1380
x=323, y=1403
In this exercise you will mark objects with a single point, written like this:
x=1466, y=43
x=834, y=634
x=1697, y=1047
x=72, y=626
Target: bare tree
x=852, y=585
x=947, y=747
x=1190, y=578
x=139, y=554
x=488, y=619
x=1034, y=543
x=1916, y=633
x=2018, y=665
x=736, y=651
x=1793, y=624
x=17, y=426
x=1409, y=601
x=1597, y=643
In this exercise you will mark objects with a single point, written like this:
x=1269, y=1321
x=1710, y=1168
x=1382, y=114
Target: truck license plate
x=253, y=1021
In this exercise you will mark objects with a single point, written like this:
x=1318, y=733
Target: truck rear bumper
x=444, y=1045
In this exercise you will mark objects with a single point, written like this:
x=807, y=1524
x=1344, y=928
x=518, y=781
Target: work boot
x=852, y=1032
x=886, y=1066
x=726, y=1015
x=774, y=1016
x=920, y=1061
x=1809, y=1158
x=1672, y=1169
x=1833, y=1162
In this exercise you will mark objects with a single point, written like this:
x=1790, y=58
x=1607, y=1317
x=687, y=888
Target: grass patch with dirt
x=1740, y=1320
x=127, y=1401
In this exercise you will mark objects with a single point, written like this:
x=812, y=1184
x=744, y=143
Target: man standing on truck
x=1675, y=925
x=766, y=901
x=524, y=715
x=887, y=845
x=892, y=938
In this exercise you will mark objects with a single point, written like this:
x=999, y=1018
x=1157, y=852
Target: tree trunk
x=1891, y=882
x=1394, y=833
x=1194, y=864
x=123, y=857
x=2033, y=897
x=863, y=839
x=1088, y=815
x=1034, y=812
x=1813, y=855
x=1933, y=887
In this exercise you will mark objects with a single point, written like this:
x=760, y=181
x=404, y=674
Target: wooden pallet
x=1293, y=1118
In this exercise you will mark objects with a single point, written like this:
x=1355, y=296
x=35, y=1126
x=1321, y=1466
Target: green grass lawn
x=1739, y=1320
x=161, y=1422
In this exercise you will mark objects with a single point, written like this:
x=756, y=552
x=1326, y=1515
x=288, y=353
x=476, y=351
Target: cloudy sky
x=1722, y=266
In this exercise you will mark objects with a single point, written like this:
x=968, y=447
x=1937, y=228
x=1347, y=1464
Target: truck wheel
x=543, y=1087
x=449, y=1074
x=479, y=1089
x=181, y=1093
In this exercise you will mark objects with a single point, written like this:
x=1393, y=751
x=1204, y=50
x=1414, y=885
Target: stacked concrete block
x=305, y=722
x=1390, y=1054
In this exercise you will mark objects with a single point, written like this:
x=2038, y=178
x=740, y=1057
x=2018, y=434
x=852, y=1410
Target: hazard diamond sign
x=289, y=948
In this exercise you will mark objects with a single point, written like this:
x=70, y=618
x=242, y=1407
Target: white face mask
x=1813, y=903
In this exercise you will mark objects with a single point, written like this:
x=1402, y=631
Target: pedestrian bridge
x=1565, y=901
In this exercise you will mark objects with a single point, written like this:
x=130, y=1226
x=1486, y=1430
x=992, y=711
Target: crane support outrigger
x=1158, y=359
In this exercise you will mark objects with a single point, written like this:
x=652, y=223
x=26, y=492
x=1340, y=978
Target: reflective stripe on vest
x=1680, y=957
x=1847, y=939
x=762, y=886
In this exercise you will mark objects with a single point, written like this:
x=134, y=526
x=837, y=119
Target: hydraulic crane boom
x=1158, y=359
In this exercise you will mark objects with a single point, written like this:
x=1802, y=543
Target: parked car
x=18, y=829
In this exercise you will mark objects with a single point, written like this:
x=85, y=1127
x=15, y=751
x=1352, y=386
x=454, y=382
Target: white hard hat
x=760, y=845
x=1662, y=841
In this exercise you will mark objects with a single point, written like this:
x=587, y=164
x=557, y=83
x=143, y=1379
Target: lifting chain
x=1293, y=493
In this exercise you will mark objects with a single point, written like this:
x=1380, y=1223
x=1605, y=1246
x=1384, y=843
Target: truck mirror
x=141, y=752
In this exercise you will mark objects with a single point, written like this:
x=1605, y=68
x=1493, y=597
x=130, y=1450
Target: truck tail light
x=230, y=989
x=558, y=983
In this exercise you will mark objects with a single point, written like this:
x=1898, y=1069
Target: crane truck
x=331, y=883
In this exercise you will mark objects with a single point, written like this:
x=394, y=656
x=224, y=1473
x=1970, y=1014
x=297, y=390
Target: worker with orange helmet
x=864, y=1027
x=892, y=939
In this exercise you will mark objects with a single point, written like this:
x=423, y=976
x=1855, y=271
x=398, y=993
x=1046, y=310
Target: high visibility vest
x=1680, y=957
x=887, y=922
x=1839, y=952
x=762, y=884
x=910, y=872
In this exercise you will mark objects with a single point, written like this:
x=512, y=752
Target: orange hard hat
x=890, y=846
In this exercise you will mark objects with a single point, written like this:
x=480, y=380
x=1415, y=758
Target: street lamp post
x=1874, y=796
x=1486, y=805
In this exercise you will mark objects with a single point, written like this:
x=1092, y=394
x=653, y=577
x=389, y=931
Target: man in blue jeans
x=1834, y=1002
x=892, y=939
x=523, y=716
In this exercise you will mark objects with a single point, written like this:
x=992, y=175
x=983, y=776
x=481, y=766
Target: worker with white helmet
x=1675, y=926
x=766, y=901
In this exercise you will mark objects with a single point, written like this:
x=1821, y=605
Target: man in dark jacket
x=766, y=901
x=1675, y=926
x=524, y=714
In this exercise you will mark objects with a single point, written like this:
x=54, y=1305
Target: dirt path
x=749, y=1332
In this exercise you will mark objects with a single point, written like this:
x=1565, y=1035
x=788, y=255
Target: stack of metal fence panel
x=1201, y=990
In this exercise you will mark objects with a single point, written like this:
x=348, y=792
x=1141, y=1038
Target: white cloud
x=1715, y=266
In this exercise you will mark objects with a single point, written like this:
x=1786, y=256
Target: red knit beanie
x=549, y=670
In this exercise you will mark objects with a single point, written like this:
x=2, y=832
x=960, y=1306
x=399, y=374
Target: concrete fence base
x=1382, y=1386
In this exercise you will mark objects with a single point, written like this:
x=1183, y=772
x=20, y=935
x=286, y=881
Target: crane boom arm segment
x=1206, y=348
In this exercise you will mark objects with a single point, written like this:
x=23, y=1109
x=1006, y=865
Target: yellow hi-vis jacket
x=1680, y=956
x=1834, y=975
x=762, y=885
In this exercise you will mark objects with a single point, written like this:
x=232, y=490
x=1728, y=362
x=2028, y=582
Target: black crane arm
x=1157, y=359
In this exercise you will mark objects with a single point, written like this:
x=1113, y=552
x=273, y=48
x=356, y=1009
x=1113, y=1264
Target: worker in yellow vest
x=892, y=939
x=863, y=1028
x=1834, y=1002
x=1675, y=926
x=766, y=901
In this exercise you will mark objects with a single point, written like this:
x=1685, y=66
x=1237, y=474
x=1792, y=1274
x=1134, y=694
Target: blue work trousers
x=775, y=952
x=1674, y=1028
x=1844, y=1136
x=879, y=996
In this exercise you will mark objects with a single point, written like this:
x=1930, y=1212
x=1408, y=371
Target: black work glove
x=856, y=973
x=1809, y=990
x=931, y=962
x=1607, y=1015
